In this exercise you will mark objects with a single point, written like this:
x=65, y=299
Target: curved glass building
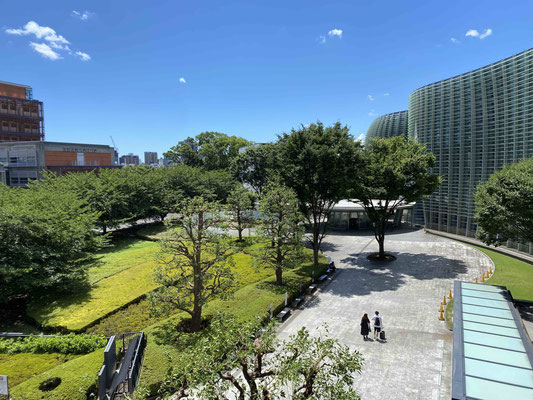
x=474, y=124
x=394, y=124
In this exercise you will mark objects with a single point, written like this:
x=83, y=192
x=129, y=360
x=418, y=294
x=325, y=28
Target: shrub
x=68, y=344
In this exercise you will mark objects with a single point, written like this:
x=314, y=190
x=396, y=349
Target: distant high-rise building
x=21, y=117
x=150, y=158
x=129, y=159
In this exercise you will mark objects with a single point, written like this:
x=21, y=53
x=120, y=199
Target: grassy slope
x=516, y=275
x=77, y=376
x=20, y=367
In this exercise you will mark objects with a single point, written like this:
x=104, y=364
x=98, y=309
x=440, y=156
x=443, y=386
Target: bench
x=322, y=278
x=284, y=314
x=297, y=301
x=311, y=288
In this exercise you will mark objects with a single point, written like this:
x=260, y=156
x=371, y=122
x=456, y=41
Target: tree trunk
x=104, y=229
x=196, y=324
x=316, y=244
x=279, y=276
x=381, y=242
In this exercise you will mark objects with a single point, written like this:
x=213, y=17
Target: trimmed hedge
x=67, y=344
x=78, y=377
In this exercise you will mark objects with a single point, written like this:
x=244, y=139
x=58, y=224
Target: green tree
x=317, y=161
x=195, y=261
x=239, y=360
x=48, y=240
x=240, y=209
x=256, y=166
x=280, y=226
x=504, y=205
x=211, y=150
x=394, y=171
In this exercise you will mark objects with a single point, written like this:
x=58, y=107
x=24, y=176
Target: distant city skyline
x=150, y=75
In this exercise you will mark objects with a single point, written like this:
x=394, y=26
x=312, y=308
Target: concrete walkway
x=415, y=361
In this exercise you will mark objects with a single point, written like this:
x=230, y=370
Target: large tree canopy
x=256, y=166
x=316, y=162
x=211, y=150
x=393, y=171
x=504, y=205
x=47, y=240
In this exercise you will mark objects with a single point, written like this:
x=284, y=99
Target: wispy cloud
x=475, y=33
x=83, y=56
x=335, y=32
x=40, y=32
x=182, y=80
x=370, y=97
x=54, y=42
x=454, y=40
x=321, y=39
x=386, y=94
x=372, y=113
x=84, y=16
x=360, y=137
x=45, y=50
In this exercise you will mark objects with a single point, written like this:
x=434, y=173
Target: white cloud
x=372, y=113
x=54, y=42
x=182, y=80
x=40, y=32
x=475, y=33
x=45, y=50
x=335, y=32
x=83, y=56
x=386, y=94
x=360, y=137
x=84, y=16
x=370, y=97
x=454, y=40
x=321, y=39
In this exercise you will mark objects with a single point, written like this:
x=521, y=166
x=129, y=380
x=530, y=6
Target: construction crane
x=115, y=148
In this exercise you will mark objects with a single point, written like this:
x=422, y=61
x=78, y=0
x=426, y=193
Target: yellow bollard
x=475, y=280
x=483, y=278
x=441, y=318
x=450, y=295
x=441, y=309
x=488, y=275
x=444, y=301
x=490, y=270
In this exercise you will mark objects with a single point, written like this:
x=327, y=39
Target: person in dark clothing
x=365, y=326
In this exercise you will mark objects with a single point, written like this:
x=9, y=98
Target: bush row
x=66, y=344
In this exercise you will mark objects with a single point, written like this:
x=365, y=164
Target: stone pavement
x=415, y=360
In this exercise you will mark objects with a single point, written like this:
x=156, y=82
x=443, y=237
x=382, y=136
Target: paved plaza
x=415, y=360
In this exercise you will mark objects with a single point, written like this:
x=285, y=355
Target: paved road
x=415, y=361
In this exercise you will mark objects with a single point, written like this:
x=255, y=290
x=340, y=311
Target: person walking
x=378, y=324
x=365, y=326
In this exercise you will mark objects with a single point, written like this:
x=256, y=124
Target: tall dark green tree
x=211, y=150
x=47, y=240
x=393, y=171
x=256, y=166
x=316, y=162
x=504, y=205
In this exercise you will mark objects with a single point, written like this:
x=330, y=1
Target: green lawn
x=20, y=367
x=516, y=275
x=449, y=314
x=77, y=377
x=80, y=310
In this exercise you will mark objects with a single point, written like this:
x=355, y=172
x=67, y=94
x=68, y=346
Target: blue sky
x=250, y=68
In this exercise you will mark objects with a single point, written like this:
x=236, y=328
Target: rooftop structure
x=492, y=353
x=21, y=117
